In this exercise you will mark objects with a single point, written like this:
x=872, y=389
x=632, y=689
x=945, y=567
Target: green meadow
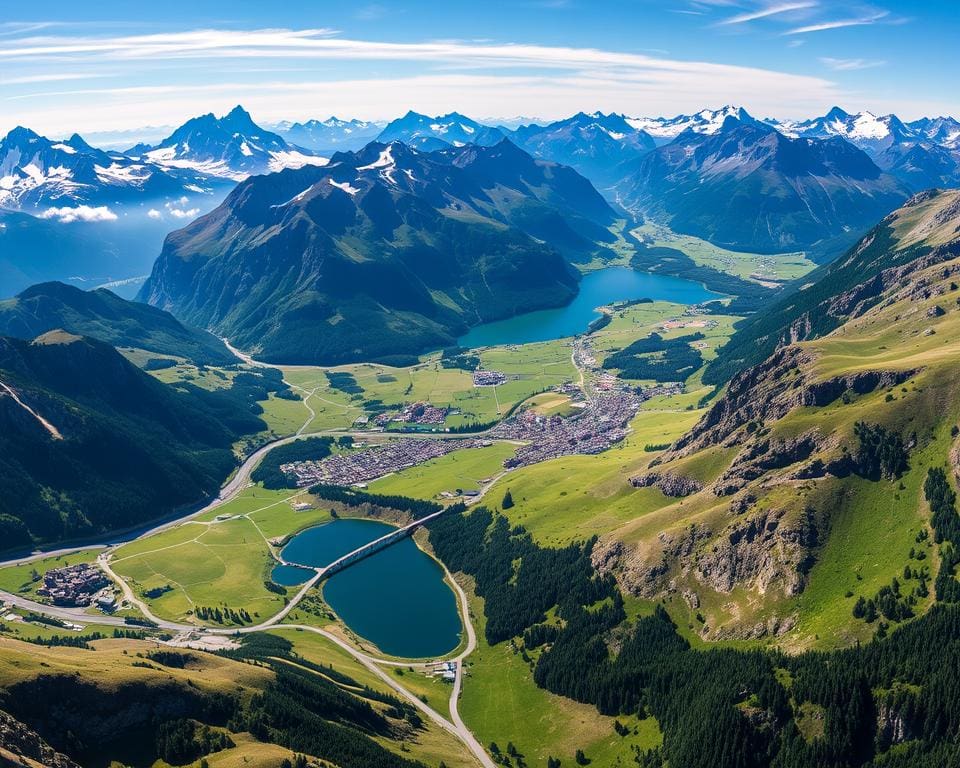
x=501, y=703
x=760, y=268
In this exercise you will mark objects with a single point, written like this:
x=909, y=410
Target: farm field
x=462, y=470
x=215, y=562
x=366, y=388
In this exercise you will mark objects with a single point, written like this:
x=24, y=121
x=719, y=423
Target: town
x=76, y=585
x=602, y=423
x=360, y=467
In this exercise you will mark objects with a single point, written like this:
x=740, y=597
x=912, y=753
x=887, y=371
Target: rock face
x=760, y=552
x=643, y=573
x=768, y=392
x=669, y=483
x=21, y=746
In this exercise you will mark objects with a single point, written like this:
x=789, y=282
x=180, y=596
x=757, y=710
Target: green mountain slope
x=801, y=491
x=102, y=315
x=128, y=700
x=89, y=443
x=383, y=252
x=849, y=283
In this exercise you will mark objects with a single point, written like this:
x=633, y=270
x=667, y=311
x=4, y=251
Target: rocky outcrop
x=760, y=552
x=669, y=483
x=768, y=392
x=775, y=626
x=643, y=573
x=21, y=746
x=762, y=455
x=892, y=726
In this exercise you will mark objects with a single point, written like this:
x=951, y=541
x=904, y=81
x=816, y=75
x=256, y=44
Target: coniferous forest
x=894, y=702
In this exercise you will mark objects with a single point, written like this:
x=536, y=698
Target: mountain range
x=429, y=133
x=749, y=187
x=384, y=252
x=596, y=145
x=37, y=173
x=330, y=135
x=232, y=146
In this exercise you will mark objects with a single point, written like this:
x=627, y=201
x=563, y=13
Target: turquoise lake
x=596, y=289
x=396, y=598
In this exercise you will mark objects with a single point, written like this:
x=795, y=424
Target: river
x=596, y=289
x=396, y=598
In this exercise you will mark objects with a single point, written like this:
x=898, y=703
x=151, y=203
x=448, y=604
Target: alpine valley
x=443, y=442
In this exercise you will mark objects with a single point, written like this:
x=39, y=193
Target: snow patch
x=346, y=186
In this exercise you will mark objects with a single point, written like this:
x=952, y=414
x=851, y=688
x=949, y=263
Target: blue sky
x=101, y=67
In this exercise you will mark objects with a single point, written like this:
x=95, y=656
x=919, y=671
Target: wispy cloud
x=53, y=77
x=849, y=65
x=493, y=78
x=767, y=11
x=856, y=21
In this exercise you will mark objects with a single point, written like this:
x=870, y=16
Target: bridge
x=328, y=570
x=372, y=547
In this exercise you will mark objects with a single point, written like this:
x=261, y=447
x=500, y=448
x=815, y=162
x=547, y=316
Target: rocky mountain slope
x=387, y=251
x=429, y=133
x=232, y=147
x=924, y=153
x=37, y=173
x=801, y=491
x=706, y=122
x=749, y=187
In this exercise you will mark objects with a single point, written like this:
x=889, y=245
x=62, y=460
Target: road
x=236, y=484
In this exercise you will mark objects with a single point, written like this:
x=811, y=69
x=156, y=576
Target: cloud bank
x=85, y=213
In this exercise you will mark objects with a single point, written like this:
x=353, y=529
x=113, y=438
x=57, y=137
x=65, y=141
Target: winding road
x=234, y=485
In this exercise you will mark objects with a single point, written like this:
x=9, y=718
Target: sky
x=102, y=67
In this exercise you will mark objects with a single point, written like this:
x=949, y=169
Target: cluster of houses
x=358, y=467
x=77, y=585
x=597, y=427
x=488, y=378
x=414, y=413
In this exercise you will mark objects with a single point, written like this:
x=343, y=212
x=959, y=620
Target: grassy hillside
x=821, y=304
x=106, y=317
x=801, y=490
x=128, y=701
